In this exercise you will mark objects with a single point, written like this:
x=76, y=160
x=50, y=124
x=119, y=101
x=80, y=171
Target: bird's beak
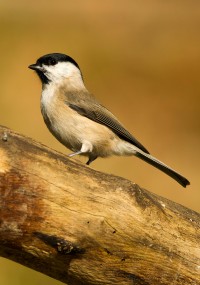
x=36, y=67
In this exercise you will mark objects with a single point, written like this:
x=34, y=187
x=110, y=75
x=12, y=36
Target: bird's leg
x=91, y=159
x=86, y=147
x=75, y=153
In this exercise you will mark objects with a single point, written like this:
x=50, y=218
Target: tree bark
x=81, y=226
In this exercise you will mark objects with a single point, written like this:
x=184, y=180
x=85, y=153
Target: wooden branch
x=81, y=226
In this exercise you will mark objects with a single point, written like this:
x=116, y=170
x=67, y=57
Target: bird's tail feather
x=163, y=167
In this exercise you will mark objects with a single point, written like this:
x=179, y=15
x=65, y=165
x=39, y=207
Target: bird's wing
x=98, y=113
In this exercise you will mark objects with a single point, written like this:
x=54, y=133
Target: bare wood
x=81, y=226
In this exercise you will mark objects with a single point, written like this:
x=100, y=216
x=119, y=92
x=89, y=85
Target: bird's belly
x=73, y=130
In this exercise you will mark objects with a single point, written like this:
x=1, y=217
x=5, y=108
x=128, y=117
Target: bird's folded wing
x=101, y=115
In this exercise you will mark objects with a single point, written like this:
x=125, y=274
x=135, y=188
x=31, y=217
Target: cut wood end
x=4, y=162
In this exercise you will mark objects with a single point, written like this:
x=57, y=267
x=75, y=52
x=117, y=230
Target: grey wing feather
x=101, y=115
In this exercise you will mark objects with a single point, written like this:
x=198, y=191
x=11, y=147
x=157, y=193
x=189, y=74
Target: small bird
x=74, y=116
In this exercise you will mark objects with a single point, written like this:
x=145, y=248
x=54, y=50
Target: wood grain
x=81, y=226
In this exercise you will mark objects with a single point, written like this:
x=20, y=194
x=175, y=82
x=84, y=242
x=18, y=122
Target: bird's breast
x=73, y=129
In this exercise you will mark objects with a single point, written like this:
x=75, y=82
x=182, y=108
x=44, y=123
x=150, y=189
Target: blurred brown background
x=140, y=58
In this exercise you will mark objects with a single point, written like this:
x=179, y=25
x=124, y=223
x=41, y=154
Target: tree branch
x=81, y=226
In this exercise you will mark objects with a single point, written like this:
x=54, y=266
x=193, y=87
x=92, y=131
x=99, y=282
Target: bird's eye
x=52, y=61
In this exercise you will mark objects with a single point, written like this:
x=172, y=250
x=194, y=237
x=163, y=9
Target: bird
x=82, y=124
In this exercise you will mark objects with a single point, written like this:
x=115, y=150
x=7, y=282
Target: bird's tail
x=163, y=167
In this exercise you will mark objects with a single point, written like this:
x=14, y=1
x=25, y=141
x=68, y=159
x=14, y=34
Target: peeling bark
x=81, y=226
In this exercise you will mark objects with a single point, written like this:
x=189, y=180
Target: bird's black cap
x=53, y=58
x=50, y=59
